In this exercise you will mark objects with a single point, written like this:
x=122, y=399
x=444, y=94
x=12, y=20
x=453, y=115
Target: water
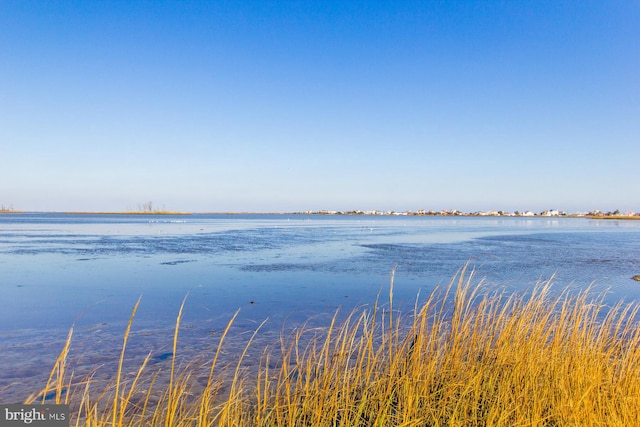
x=59, y=270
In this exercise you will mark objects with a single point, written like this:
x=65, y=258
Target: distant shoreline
x=634, y=217
x=127, y=213
x=353, y=213
x=96, y=213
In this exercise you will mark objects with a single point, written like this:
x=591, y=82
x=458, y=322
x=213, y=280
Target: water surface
x=59, y=270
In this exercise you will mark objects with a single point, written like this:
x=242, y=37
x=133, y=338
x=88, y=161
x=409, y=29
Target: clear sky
x=338, y=105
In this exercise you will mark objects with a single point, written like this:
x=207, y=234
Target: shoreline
x=621, y=217
x=353, y=213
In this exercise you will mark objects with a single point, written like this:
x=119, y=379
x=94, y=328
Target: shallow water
x=60, y=270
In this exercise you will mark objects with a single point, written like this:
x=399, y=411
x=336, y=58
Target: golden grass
x=464, y=357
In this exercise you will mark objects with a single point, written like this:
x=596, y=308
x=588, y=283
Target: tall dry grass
x=464, y=357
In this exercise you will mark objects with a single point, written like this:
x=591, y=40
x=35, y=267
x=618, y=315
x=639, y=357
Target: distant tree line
x=149, y=207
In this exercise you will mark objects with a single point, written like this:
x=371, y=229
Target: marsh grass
x=463, y=357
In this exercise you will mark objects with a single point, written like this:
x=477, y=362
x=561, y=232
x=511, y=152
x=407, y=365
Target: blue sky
x=291, y=106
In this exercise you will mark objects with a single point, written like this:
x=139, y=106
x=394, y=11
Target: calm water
x=60, y=270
